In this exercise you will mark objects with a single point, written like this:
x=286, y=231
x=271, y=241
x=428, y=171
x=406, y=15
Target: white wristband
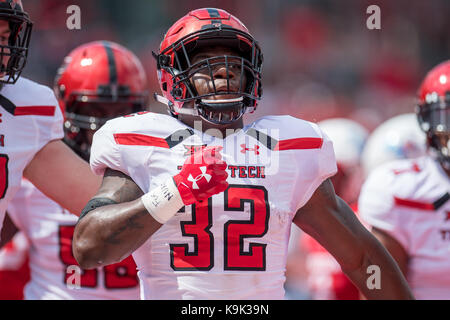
x=163, y=201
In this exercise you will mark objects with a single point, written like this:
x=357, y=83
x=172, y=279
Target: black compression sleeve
x=95, y=203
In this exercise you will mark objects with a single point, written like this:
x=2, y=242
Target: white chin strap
x=193, y=111
x=164, y=100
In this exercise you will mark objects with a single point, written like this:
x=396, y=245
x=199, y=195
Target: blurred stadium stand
x=320, y=59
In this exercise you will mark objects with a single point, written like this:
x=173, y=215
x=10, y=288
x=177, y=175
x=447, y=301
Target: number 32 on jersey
x=235, y=231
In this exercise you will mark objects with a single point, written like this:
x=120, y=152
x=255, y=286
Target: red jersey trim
x=134, y=139
x=48, y=111
x=299, y=143
x=414, y=204
x=414, y=168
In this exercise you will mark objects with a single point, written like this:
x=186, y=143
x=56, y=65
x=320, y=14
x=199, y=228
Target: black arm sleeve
x=95, y=203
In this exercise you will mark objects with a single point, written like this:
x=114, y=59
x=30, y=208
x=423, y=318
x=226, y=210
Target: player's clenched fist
x=202, y=175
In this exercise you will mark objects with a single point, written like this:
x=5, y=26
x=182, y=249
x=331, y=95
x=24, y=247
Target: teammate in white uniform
x=230, y=239
x=29, y=122
x=31, y=126
x=406, y=201
x=98, y=81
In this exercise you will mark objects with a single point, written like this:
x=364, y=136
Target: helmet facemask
x=234, y=100
x=434, y=119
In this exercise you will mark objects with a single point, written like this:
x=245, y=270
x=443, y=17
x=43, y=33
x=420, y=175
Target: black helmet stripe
x=111, y=63
x=213, y=13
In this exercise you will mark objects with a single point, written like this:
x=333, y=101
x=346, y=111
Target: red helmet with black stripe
x=98, y=81
x=14, y=50
x=433, y=110
x=200, y=28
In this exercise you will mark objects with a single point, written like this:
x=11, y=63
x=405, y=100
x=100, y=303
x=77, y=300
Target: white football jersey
x=54, y=271
x=234, y=245
x=408, y=199
x=29, y=119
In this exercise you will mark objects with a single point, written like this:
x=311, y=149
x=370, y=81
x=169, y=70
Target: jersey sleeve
x=322, y=164
x=49, y=127
x=377, y=208
x=104, y=151
x=327, y=160
x=56, y=128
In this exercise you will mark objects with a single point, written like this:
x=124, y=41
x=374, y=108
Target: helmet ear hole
x=163, y=60
x=164, y=86
x=177, y=92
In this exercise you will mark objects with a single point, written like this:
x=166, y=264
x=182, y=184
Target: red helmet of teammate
x=16, y=50
x=208, y=27
x=434, y=110
x=98, y=81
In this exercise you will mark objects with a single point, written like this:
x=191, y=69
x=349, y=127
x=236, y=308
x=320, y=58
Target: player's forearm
x=68, y=179
x=110, y=233
x=371, y=268
x=329, y=220
x=378, y=276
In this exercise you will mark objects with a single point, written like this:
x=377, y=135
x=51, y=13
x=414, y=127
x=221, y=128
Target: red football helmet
x=20, y=26
x=433, y=110
x=208, y=27
x=98, y=81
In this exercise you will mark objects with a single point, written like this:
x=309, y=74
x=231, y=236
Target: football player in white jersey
x=98, y=81
x=31, y=126
x=406, y=202
x=205, y=203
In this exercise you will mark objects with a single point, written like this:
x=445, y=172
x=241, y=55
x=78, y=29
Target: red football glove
x=202, y=175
